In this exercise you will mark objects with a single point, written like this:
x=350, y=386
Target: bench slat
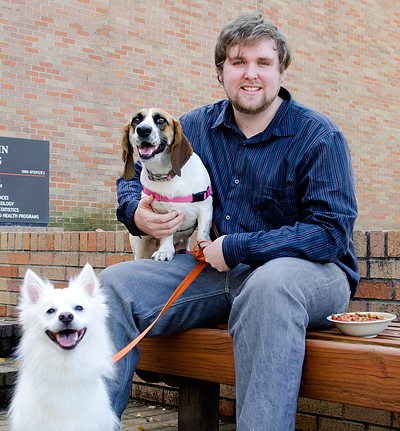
x=203, y=354
x=350, y=370
x=390, y=337
x=356, y=374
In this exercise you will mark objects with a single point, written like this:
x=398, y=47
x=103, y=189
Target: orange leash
x=199, y=255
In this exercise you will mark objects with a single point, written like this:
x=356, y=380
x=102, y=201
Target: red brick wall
x=59, y=255
x=54, y=255
x=378, y=255
x=72, y=72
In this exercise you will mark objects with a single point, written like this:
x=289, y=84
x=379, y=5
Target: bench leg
x=199, y=407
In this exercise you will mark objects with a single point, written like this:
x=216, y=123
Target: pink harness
x=196, y=197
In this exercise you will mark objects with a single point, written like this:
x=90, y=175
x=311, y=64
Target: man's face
x=251, y=76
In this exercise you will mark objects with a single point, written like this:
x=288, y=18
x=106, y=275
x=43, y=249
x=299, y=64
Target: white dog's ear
x=32, y=286
x=87, y=280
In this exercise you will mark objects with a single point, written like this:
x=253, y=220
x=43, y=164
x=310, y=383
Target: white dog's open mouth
x=67, y=339
x=147, y=151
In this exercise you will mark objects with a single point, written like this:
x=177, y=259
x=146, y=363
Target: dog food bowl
x=349, y=323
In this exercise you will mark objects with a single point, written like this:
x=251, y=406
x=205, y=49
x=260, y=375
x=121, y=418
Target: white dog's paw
x=163, y=255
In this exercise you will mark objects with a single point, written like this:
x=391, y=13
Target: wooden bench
x=339, y=368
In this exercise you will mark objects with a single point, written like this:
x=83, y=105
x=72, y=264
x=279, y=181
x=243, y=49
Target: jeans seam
x=227, y=290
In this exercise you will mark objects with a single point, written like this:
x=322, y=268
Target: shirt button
x=228, y=217
x=237, y=181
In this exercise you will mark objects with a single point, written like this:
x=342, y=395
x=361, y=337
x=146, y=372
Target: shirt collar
x=281, y=125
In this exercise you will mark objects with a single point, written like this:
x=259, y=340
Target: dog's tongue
x=66, y=340
x=146, y=150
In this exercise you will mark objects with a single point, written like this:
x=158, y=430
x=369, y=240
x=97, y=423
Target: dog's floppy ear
x=31, y=287
x=127, y=154
x=181, y=149
x=87, y=280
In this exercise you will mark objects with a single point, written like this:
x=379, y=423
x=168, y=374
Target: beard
x=249, y=108
x=252, y=105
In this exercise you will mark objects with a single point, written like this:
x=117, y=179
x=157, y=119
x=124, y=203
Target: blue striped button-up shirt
x=288, y=191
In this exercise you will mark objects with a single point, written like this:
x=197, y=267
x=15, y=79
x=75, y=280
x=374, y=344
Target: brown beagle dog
x=172, y=173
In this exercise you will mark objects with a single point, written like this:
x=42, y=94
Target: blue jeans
x=268, y=310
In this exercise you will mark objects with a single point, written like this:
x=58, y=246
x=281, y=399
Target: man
x=282, y=258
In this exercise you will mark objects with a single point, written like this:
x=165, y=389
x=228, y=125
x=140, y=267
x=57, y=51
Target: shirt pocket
x=278, y=207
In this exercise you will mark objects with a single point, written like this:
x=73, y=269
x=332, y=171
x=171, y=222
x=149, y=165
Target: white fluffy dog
x=65, y=354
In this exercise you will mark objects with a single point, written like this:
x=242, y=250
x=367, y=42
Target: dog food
x=357, y=317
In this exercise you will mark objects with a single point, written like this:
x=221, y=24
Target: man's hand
x=214, y=256
x=154, y=224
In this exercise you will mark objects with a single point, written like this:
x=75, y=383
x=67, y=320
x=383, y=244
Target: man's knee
x=278, y=272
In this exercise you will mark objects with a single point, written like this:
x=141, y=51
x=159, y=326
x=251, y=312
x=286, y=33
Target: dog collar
x=196, y=197
x=160, y=177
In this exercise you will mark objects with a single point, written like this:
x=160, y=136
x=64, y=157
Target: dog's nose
x=66, y=317
x=143, y=131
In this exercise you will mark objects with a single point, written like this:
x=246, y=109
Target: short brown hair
x=247, y=29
